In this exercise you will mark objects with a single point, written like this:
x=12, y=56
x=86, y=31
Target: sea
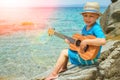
x=25, y=54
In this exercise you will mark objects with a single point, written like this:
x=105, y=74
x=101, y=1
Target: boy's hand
x=67, y=41
x=83, y=45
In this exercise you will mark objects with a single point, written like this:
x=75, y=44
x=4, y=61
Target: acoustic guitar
x=90, y=51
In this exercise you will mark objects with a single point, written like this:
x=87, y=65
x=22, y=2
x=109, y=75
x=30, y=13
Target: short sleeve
x=98, y=32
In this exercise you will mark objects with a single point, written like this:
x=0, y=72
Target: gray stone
x=116, y=31
x=110, y=28
x=114, y=1
x=80, y=73
x=104, y=20
x=110, y=20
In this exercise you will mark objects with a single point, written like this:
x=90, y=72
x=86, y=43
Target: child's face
x=90, y=18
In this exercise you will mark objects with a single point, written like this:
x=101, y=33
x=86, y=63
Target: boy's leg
x=64, y=66
x=60, y=65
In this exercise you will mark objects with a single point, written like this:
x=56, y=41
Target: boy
x=90, y=15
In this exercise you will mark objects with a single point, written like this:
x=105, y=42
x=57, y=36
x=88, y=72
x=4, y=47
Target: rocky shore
x=107, y=67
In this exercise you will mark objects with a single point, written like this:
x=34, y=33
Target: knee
x=64, y=52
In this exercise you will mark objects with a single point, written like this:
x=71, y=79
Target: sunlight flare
x=14, y=3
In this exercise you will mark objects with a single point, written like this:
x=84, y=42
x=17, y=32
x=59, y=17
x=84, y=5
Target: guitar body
x=91, y=51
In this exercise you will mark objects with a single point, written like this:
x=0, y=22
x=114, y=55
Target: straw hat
x=92, y=7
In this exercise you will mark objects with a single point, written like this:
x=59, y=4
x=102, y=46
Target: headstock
x=51, y=31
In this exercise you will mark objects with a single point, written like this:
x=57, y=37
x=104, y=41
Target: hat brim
x=92, y=12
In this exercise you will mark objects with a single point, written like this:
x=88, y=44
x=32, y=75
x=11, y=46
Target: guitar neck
x=64, y=37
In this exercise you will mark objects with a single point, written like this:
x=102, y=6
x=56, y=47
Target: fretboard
x=64, y=37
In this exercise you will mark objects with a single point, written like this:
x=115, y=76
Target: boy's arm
x=95, y=42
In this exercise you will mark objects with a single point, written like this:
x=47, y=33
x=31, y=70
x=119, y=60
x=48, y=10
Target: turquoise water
x=23, y=55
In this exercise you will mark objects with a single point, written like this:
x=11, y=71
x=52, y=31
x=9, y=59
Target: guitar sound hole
x=78, y=43
x=86, y=48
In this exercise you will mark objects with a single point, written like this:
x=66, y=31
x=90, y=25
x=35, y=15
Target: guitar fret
x=64, y=37
x=59, y=35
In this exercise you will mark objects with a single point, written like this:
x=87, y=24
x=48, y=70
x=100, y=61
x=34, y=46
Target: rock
x=80, y=73
x=113, y=69
x=105, y=19
x=114, y=1
x=106, y=50
x=115, y=11
x=109, y=67
x=116, y=31
x=110, y=20
x=116, y=15
x=110, y=28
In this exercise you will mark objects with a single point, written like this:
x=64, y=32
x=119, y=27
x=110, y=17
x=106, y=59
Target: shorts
x=75, y=59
